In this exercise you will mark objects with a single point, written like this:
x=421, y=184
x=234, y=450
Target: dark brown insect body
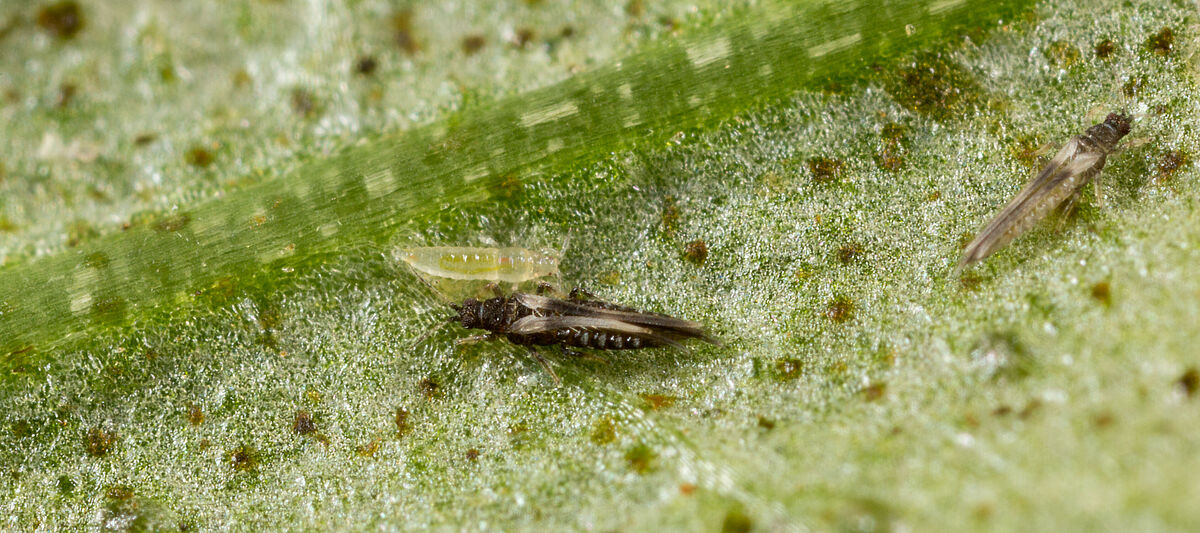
x=1074, y=166
x=533, y=320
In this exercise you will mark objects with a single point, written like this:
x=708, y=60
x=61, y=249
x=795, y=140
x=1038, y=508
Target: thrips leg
x=546, y=365
x=1066, y=210
x=495, y=288
x=546, y=287
x=579, y=293
x=474, y=339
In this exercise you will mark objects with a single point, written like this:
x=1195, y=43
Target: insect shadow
x=577, y=322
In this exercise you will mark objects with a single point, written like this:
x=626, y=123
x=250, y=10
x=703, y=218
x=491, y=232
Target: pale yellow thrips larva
x=509, y=265
x=1064, y=177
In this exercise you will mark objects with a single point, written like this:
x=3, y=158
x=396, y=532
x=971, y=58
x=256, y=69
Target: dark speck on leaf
x=1030, y=409
x=824, y=169
x=934, y=85
x=402, y=424
x=1062, y=53
x=635, y=8
x=789, y=368
x=890, y=156
x=368, y=449
x=604, y=432
x=96, y=260
x=1162, y=43
x=198, y=156
x=1105, y=49
x=1102, y=293
x=518, y=429
x=737, y=521
x=893, y=132
x=874, y=391
x=848, y=253
x=1171, y=162
x=657, y=401
x=66, y=93
x=472, y=454
x=366, y=65
x=244, y=458
x=303, y=102
x=523, y=37
x=99, y=442
x=430, y=389
x=696, y=252
x=1189, y=382
x=195, y=415
x=1025, y=149
x=964, y=239
x=79, y=232
x=841, y=309
x=641, y=458
x=472, y=44
x=403, y=33
x=62, y=19
x=21, y=429
x=118, y=492
x=670, y=215
x=303, y=424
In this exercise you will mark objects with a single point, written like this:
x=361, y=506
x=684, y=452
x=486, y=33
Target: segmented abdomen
x=582, y=338
x=579, y=338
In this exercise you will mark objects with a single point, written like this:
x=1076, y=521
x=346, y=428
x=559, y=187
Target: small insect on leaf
x=1075, y=165
x=576, y=322
x=509, y=265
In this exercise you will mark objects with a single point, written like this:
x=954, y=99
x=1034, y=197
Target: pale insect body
x=1064, y=177
x=508, y=265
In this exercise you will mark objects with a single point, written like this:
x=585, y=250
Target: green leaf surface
x=203, y=325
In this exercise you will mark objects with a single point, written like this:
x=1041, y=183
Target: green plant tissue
x=203, y=325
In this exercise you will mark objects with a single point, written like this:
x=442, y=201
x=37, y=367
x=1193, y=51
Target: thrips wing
x=993, y=236
x=1046, y=175
x=536, y=324
x=1081, y=164
x=532, y=325
x=1049, y=176
x=564, y=307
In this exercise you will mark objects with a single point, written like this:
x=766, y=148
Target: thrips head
x=468, y=313
x=1119, y=122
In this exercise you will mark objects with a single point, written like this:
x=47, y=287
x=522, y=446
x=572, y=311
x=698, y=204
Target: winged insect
x=533, y=320
x=1075, y=165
